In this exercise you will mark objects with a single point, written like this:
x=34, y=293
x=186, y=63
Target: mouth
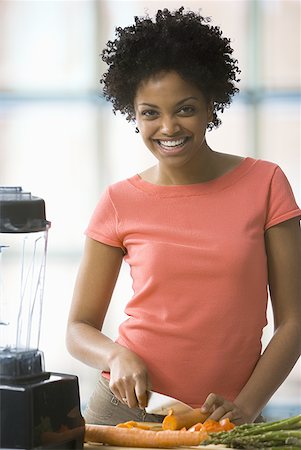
x=172, y=145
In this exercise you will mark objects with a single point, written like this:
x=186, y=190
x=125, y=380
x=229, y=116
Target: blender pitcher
x=23, y=245
x=39, y=409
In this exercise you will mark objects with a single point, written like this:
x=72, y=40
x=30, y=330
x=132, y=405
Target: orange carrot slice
x=133, y=424
x=213, y=426
x=135, y=437
x=197, y=427
x=178, y=421
x=226, y=424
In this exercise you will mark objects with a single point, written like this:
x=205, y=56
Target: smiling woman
x=205, y=235
x=53, y=120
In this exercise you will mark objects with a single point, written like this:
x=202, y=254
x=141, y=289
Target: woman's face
x=172, y=116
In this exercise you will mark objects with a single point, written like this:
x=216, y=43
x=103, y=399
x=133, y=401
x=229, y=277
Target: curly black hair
x=180, y=41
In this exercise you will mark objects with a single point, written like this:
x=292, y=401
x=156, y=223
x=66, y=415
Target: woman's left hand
x=219, y=408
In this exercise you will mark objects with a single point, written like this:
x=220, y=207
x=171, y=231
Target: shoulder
x=268, y=172
x=267, y=176
x=123, y=192
x=263, y=177
x=265, y=165
x=120, y=187
x=260, y=167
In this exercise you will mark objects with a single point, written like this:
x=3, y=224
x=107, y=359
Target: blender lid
x=21, y=212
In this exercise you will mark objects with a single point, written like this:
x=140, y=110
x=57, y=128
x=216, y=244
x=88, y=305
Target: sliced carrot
x=178, y=421
x=135, y=437
x=197, y=427
x=133, y=424
x=213, y=426
x=226, y=424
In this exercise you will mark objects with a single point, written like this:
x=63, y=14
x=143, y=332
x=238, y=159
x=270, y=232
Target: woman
x=205, y=234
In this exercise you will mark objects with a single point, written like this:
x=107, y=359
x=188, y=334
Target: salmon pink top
x=199, y=268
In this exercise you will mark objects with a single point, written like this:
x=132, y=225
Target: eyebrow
x=177, y=104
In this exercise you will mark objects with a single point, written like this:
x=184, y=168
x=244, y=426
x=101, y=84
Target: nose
x=169, y=126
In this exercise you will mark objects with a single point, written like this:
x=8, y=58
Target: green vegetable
x=281, y=434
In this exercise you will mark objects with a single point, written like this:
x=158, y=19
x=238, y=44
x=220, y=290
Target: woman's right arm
x=93, y=290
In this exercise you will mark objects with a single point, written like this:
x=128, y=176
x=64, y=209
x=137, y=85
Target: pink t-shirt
x=198, y=262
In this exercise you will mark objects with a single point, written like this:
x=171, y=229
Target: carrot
x=213, y=426
x=187, y=419
x=154, y=426
x=133, y=424
x=226, y=424
x=135, y=437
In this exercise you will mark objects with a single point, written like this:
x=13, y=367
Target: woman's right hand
x=92, y=294
x=129, y=380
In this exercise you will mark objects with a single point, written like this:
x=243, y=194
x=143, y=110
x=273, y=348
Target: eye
x=150, y=113
x=186, y=110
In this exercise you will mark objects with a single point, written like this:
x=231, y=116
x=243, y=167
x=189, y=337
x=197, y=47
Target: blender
x=39, y=409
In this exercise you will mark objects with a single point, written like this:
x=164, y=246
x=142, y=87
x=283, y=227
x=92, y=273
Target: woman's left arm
x=283, y=248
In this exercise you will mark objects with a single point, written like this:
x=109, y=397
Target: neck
x=201, y=169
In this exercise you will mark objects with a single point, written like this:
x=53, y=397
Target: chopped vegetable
x=185, y=420
x=133, y=424
x=226, y=424
x=212, y=426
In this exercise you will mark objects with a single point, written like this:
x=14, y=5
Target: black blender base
x=62, y=446
x=41, y=413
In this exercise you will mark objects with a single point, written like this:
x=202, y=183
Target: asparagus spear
x=271, y=438
x=283, y=433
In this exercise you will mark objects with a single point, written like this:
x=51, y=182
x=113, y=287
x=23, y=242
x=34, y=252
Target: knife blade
x=161, y=404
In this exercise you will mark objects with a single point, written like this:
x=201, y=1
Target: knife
x=161, y=404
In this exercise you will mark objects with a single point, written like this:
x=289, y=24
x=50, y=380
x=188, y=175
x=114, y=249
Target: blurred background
x=60, y=140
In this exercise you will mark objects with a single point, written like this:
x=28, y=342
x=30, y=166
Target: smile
x=172, y=145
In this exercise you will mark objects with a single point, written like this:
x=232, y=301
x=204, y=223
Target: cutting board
x=110, y=447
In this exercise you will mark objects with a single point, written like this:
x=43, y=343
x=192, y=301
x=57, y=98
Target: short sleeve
x=281, y=202
x=103, y=225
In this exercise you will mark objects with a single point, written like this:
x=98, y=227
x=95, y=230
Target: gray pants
x=105, y=409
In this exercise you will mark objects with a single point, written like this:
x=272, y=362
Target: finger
x=130, y=392
x=211, y=402
x=141, y=387
x=118, y=392
x=131, y=398
x=141, y=396
x=148, y=385
x=122, y=396
x=238, y=421
x=233, y=415
x=148, y=389
x=220, y=412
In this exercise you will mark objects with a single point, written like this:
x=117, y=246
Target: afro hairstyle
x=181, y=41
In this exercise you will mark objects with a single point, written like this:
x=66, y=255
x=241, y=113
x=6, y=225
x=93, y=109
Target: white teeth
x=172, y=143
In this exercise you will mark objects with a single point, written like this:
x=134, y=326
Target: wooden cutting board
x=110, y=447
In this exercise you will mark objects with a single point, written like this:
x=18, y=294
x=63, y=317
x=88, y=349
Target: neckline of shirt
x=207, y=187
